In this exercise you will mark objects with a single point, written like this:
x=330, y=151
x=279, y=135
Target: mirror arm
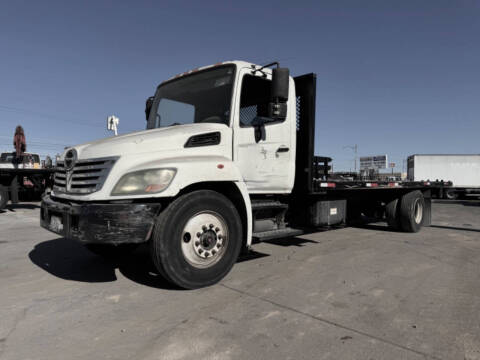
x=263, y=67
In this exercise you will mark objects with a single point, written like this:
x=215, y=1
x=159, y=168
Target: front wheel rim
x=204, y=239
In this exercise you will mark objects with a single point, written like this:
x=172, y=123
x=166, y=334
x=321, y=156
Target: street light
x=354, y=148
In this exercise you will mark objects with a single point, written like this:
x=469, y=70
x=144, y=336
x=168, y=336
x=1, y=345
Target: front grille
x=86, y=177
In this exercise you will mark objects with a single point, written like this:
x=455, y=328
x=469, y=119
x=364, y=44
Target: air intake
x=208, y=139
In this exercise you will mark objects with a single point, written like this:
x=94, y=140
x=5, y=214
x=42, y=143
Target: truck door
x=267, y=165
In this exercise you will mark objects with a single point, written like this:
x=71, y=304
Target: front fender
x=194, y=170
x=203, y=169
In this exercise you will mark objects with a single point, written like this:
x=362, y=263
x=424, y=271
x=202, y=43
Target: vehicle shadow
x=377, y=227
x=251, y=255
x=13, y=207
x=455, y=228
x=290, y=241
x=470, y=202
x=69, y=260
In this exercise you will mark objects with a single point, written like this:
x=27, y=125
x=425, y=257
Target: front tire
x=197, y=239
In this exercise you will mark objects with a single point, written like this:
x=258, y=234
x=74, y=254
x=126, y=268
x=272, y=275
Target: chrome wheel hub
x=418, y=211
x=204, y=239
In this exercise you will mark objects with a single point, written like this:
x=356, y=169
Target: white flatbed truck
x=227, y=159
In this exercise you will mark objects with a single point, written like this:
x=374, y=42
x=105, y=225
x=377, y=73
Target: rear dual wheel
x=406, y=213
x=3, y=197
x=197, y=239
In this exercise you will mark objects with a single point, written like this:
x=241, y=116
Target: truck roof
x=239, y=64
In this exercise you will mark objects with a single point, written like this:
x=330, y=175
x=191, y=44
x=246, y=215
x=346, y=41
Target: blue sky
x=394, y=77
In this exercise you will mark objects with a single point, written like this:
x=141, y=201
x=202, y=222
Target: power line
x=37, y=146
x=37, y=140
x=12, y=109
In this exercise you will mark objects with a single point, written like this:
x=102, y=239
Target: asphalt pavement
x=349, y=293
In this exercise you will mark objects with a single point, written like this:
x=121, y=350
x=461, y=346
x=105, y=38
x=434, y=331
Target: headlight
x=144, y=182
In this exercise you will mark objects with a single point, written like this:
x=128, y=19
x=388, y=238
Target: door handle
x=281, y=149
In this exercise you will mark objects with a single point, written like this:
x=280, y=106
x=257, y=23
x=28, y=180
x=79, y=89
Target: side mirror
x=280, y=80
x=148, y=107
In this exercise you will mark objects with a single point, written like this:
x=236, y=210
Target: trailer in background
x=463, y=170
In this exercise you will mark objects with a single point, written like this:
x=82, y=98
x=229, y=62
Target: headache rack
x=86, y=177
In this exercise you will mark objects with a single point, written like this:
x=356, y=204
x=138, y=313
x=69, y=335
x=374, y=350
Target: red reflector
x=391, y=184
x=331, y=184
x=374, y=185
x=220, y=166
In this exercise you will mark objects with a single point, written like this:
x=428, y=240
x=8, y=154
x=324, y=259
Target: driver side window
x=254, y=99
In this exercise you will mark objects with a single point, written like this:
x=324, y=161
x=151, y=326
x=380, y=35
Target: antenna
x=112, y=123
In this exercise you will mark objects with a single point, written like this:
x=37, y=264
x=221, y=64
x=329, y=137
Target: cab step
x=276, y=234
x=263, y=205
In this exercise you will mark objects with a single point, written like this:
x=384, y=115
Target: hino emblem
x=70, y=159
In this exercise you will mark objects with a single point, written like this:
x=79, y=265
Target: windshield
x=204, y=97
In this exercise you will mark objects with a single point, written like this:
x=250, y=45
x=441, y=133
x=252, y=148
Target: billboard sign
x=373, y=162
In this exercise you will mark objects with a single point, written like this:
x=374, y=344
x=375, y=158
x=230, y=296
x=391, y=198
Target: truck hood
x=147, y=141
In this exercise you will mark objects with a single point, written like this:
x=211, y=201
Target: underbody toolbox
x=328, y=212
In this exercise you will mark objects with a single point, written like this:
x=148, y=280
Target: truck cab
x=227, y=155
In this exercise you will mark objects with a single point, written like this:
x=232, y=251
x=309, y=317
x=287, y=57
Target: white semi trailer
x=462, y=170
x=227, y=159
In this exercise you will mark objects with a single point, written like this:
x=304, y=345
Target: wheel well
x=229, y=190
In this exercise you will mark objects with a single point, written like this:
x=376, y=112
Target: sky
x=393, y=77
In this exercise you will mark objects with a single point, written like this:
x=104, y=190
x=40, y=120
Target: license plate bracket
x=56, y=224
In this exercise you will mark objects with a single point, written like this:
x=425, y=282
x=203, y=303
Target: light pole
x=354, y=148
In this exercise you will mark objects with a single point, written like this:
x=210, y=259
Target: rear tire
x=412, y=210
x=451, y=194
x=197, y=239
x=392, y=214
x=3, y=197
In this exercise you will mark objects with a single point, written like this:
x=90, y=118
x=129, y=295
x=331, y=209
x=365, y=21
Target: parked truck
x=227, y=160
x=22, y=176
x=462, y=170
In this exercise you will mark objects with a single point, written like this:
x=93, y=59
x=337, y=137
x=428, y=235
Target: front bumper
x=101, y=223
